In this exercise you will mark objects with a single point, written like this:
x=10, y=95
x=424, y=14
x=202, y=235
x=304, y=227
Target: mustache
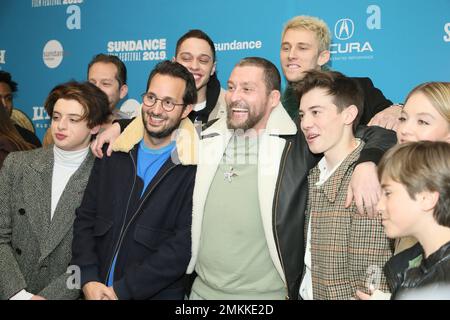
x=238, y=104
x=154, y=115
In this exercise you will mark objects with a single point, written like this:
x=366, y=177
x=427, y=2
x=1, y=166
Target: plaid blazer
x=348, y=251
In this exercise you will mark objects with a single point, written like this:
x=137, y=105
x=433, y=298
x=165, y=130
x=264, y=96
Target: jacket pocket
x=151, y=238
x=101, y=227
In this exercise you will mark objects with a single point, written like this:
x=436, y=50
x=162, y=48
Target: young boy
x=415, y=180
x=345, y=251
x=40, y=190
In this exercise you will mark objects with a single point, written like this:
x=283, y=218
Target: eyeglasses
x=150, y=99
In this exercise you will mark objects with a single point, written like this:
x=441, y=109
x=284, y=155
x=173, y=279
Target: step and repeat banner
x=397, y=43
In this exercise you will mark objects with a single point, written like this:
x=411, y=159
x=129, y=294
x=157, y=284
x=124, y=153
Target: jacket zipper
x=284, y=157
x=124, y=219
x=122, y=231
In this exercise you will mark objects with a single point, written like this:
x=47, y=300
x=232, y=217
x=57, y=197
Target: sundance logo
x=2, y=56
x=53, y=54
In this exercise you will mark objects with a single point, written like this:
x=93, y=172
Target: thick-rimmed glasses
x=150, y=100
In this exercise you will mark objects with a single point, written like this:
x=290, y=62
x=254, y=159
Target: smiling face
x=159, y=123
x=196, y=55
x=69, y=131
x=419, y=121
x=321, y=121
x=300, y=52
x=248, y=102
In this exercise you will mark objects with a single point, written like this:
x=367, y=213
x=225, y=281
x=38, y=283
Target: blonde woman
x=425, y=116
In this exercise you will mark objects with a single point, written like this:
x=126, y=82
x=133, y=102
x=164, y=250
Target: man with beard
x=233, y=246
x=195, y=50
x=247, y=235
x=132, y=231
x=250, y=193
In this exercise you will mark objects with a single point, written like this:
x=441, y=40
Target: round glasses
x=150, y=100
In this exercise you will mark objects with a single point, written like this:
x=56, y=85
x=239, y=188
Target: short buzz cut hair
x=272, y=76
x=313, y=24
x=344, y=90
x=93, y=100
x=421, y=166
x=177, y=70
x=121, y=74
x=197, y=34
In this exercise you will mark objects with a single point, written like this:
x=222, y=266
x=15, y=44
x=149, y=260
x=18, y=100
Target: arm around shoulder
x=377, y=141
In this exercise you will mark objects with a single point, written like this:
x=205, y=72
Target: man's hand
x=108, y=136
x=36, y=297
x=364, y=189
x=112, y=293
x=388, y=118
x=98, y=291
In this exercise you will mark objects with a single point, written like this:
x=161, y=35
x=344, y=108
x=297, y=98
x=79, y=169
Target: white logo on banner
x=373, y=22
x=40, y=117
x=2, y=56
x=344, y=29
x=73, y=22
x=238, y=45
x=346, y=48
x=447, y=31
x=53, y=54
x=53, y=3
x=138, y=50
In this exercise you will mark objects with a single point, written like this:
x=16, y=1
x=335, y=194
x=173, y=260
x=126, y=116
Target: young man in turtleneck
x=40, y=191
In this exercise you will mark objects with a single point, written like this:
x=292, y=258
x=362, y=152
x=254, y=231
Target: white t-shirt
x=200, y=106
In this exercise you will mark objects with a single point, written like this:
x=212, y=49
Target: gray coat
x=34, y=251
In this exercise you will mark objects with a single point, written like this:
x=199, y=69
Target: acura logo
x=344, y=28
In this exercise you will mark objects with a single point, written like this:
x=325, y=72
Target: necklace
x=230, y=174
